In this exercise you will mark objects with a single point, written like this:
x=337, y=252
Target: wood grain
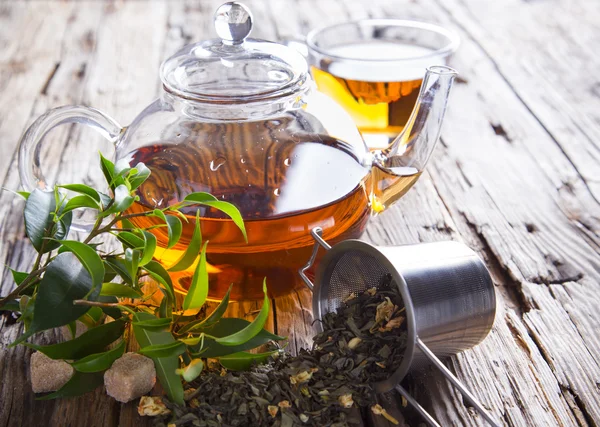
x=516, y=177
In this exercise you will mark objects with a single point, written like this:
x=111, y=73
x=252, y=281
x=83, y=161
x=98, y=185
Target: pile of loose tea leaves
x=362, y=342
x=366, y=336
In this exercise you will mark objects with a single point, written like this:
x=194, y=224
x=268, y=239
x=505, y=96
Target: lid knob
x=233, y=22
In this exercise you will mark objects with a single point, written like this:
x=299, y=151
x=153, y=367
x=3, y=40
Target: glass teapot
x=240, y=118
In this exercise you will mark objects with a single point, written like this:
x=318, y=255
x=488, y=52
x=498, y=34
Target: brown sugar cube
x=130, y=376
x=48, y=374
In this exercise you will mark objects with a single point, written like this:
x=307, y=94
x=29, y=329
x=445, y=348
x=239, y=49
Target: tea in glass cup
x=374, y=69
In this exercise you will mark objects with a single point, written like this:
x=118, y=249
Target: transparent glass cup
x=374, y=68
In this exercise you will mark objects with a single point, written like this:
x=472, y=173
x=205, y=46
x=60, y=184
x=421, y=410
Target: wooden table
x=516, y=176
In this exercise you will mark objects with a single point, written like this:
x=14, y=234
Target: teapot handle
x=29, y=152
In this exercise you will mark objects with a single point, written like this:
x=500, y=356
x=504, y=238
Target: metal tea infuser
x=446, y=288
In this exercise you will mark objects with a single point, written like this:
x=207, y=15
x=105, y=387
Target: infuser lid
x=234, y=68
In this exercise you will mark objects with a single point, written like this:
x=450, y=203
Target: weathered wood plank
x=505, y=197
x=487, y=197
x=544, y=52
x=92, y=59
x=515, y=177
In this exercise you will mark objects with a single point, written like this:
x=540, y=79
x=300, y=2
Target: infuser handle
x=455, y=381
x=29, y=152
x=416, y=405
x=317, y=234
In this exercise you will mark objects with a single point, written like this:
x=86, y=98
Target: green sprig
x=74, y=282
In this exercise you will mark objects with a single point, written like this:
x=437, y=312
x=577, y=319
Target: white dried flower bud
x=346, y=400
x=354, y=342
x=152, y=406
x=284, y=404
x=273, y=410
x=379, y=410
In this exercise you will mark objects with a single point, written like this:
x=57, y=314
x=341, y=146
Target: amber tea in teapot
x=240, y=118
x=274, y=187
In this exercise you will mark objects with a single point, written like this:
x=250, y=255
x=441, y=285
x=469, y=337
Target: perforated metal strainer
x=446, y=289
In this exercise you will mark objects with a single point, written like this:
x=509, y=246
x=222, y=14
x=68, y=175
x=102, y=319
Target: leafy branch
x=74, y=281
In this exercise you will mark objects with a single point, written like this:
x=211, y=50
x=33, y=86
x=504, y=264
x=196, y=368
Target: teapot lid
x=234, y=68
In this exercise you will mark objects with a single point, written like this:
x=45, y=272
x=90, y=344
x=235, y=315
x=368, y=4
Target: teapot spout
x=405, y=158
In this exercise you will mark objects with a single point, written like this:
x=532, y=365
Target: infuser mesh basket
x=353, y=271
x=446, y=290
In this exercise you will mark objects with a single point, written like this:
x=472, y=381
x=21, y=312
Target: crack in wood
x=274, y=308
x=577, y=407
x=512, y=285
x=561, y=281
x=499, y=130
x=518, y=95
x=44, y=90
x=462, y=173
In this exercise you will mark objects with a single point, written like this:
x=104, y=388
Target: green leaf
x=130, y=240
x=118, y=265
x=149, y=247
x=213, y=318
x=142, y=175
x=109, y=273
x=243, y=361
x=225, y=207
x=226, y=326
x=165, y=310
x=174, y=227
x=72, y=329
x=10, y=306
x=163, y=350
x=122, y=167
x=64, y=281
x=252, y=329
x=192, y=370
x=125, y=223
x=26, y=305
x=39, y=221
x=80, y=383
x=123, y=199
x=192, y=341
x=23, y=194
x=83, y=201
x=119, y=290
x=132, y=261
x=192, y=251
x=156, y=324
x=92, y=341
x=175, y=211
x=198, y=291
x=83, y=189
x=105, y=199
x=113, y=312
x=165, y=366
x=90, y=260
x=158, y=273
x=91, y=318
x=108, y=169
x=18, y=276
x=100, y=361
